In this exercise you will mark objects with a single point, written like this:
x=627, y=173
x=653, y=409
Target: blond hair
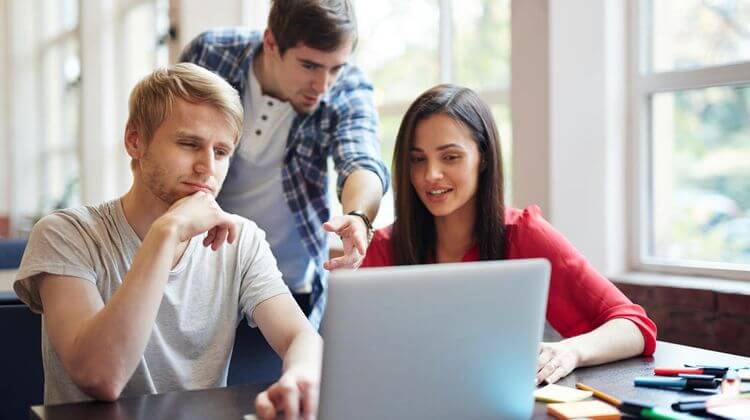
x=153, y=98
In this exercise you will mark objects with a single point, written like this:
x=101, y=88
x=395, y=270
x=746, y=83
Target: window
x=60, y=76
x=66, y=91
x=143, y=40
x=692, y=106
x=406, y=47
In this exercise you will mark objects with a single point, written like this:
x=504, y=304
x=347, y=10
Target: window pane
x=62, y=188
x=58, y=16
x=140, y=41
x=694, y=33
x=481, y=44
x=701, y=176
x=162, y=32
x=398, y=46
x=58, y=164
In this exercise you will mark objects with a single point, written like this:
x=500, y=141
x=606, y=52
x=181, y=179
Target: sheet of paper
x=559, y=393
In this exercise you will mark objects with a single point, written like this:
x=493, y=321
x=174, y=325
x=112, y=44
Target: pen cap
x=676, y=371
x=706, y=382
x=632, y=408
x=696, y=376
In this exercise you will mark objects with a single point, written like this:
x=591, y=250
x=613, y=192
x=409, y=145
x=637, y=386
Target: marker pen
x=661, y=413
x=649, y=412
x=681, y=382
x=717, y=372
x=714, y=401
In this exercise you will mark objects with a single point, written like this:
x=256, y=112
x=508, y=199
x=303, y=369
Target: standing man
x=303, y=103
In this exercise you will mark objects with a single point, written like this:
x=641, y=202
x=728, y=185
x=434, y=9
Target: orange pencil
x=599, y=394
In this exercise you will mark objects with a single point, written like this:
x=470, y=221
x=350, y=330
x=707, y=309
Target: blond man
x=142, y=294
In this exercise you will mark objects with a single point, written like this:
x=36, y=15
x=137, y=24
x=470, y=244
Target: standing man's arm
x=362, y=192
x=100, y=345
x=363, y=177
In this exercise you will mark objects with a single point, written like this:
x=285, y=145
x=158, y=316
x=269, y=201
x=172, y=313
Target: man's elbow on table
x=100, y=384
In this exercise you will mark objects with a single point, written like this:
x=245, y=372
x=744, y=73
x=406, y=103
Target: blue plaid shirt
x=343, y=126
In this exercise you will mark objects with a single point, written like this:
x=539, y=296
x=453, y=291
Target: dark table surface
x=234, y=402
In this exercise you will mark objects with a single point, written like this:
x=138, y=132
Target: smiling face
x=444, y=164
x=304, y=74
x=188, y=152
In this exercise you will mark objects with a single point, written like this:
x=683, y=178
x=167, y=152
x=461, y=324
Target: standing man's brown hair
x=320, y=24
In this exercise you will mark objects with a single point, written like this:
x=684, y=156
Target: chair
x=21, y=353
x=20, y=360
x=11, y=251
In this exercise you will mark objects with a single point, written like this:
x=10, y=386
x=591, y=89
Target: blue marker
x=681, y=382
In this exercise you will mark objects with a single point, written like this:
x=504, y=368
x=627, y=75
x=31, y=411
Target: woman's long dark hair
x=413, y=235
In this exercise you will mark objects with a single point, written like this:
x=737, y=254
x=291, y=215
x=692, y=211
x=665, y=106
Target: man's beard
x=154, y=176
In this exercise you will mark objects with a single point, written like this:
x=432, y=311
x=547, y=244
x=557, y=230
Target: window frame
x=643, y=84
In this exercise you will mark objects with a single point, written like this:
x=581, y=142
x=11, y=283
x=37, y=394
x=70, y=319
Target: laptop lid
x=433, y=341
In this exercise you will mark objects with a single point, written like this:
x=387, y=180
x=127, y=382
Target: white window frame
x=643, y=85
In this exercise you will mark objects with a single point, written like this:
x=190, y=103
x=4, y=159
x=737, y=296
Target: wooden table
x=236, y=401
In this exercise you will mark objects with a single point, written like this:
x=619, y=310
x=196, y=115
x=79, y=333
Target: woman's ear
x=482, y=164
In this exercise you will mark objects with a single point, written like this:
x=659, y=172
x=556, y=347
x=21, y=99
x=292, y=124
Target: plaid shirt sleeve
x=355, y=143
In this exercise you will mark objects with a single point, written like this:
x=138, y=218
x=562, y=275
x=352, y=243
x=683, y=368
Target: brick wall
x=702, y=318
x=4, y=226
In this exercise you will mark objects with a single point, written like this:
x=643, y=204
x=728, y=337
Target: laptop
x=439, y=341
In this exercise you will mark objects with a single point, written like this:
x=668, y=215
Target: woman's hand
x=556, y=361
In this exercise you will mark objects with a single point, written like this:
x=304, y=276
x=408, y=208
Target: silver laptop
x=441, y=341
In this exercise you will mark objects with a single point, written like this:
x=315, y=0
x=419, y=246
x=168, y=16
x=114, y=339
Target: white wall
x=569, y=113
x=588, y=114
x=196, y=16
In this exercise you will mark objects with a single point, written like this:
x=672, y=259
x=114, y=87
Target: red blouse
x=580, y=299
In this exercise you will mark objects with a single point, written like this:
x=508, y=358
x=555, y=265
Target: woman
x=448, y=186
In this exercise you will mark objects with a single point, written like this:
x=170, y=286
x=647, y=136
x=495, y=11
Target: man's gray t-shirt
x=204, y=300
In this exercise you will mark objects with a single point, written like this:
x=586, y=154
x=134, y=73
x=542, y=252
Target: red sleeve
x=379, y=251
x=580, y=299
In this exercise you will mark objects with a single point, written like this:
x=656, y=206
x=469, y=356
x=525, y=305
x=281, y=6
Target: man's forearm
x=305, y=353
x=110, y=344
x=362, y=191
